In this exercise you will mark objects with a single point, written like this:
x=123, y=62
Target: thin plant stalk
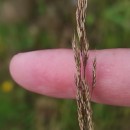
x=80, y=47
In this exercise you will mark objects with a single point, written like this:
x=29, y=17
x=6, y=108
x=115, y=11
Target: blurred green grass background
x=27, y=25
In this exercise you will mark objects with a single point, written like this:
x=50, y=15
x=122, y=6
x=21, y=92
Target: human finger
x=51, y=73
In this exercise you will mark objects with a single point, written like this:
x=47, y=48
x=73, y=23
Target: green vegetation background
x=27, y=25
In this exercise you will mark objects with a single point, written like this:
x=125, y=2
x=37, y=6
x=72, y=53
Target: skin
x=51, y=73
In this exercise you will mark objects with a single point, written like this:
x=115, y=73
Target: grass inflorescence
x=81, y=54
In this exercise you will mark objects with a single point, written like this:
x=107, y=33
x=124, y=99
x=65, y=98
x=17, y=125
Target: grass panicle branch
x=81, y=47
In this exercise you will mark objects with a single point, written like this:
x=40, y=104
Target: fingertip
x=18, y=69
x=45, y=72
